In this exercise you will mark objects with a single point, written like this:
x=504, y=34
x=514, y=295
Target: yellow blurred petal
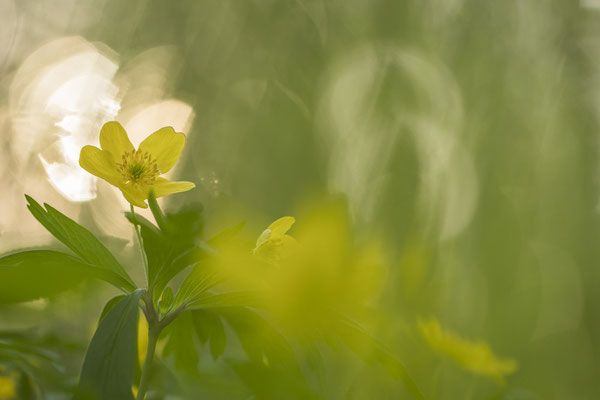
x=275, y=233
x=100, y=163
x=142, y=343
x=7, y=387
x=262, y=239
x=164, y=187
x=135, y=194
x=113, y=139
x=165, y=147
x=275, y=250
x=288, y=242
x=281, y=226
x=476, y=357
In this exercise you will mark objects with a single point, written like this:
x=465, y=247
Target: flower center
x=138, y=167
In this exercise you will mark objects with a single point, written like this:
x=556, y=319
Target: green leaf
x=81, y=241
x=166, y=301
x=194, y=286
x=32, y=274
x=110, y=305
x=108, y=368
x=156, y=245
x=157, y=250
x=209, y=328
x=140, y=220
x=176, y=264
x=37, y=359
x=203, y=323
x=185, y=224
x=173, y=247
x=261, y=341
x=180, y=344
x=218, y=339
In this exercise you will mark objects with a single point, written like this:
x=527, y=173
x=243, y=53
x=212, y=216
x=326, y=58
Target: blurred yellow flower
x=136, y=172
x=7, y=387
x=325, y=273
x=476, y=356
x=312, y=280
x=274, y=244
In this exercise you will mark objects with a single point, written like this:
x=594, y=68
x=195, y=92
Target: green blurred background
x=462, y=133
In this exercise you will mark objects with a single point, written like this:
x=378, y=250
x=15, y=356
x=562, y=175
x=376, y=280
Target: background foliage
x=461, y=135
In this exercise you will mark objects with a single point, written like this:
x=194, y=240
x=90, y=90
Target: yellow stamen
x=138, y=167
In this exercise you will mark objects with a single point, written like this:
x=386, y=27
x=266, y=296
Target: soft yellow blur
x=273, y=244
x=142, y=342
x=7, y=387
x=476, y=357
x=311, y=279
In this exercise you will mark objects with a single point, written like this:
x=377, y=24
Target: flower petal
x=164, y=187
x=263, y=238
x=281, y=226
x=113, y=139
x=100, y=163
x=165, y=146
x=135, y=194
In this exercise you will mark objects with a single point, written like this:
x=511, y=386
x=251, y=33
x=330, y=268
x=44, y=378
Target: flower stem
x=141, y=242
x=155, y=326
x=153, y=333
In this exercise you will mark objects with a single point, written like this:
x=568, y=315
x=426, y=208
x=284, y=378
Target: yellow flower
x=476, y=356
x=322, y=273
x=7, y=387
x=274, y=244
x=136, y=172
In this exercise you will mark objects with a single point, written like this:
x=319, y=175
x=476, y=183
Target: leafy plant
x=225, y=288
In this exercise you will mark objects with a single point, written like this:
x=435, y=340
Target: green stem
x=141, y=242
x=153, y=333
x=155, y=326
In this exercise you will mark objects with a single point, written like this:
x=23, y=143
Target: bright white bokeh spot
x=75, y=184
x=61, y=95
